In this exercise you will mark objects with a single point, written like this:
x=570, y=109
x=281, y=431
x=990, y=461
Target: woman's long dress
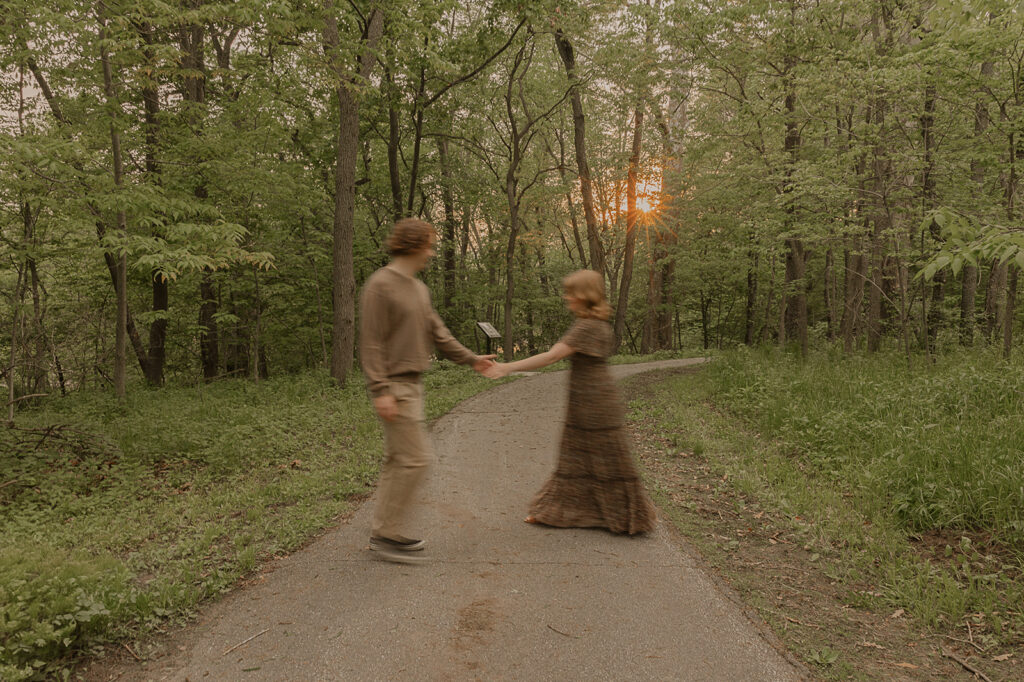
x=595, y=483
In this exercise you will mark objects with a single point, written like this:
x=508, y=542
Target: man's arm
x=449, y=345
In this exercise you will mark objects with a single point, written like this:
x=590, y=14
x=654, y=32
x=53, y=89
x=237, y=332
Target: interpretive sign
x=488, y=329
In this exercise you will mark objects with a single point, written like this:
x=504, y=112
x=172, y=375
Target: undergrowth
x=907, y=480
x=116, y=518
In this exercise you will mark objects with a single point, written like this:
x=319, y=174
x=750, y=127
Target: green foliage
x=53, y=602
x=118, y=517
x=967, y=242
x=857, y=129
x=935, y=446
x=778, y=436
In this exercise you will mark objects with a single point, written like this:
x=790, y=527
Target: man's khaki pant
x=407, y=454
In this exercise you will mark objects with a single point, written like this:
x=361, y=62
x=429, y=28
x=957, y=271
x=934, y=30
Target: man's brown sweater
x=399, y=329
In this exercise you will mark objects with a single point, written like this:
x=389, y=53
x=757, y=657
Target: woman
x=595, y=483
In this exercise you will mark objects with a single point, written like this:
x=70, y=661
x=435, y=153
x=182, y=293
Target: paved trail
x=499, y=600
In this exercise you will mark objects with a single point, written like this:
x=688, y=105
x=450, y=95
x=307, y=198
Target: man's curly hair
x=410, y=235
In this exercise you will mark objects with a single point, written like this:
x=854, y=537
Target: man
x=398, y=331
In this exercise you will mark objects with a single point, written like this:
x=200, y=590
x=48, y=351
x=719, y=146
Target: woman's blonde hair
x=588, y=287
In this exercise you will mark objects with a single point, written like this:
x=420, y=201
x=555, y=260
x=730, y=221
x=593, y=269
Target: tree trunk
x=111, y=262
x=664, y=318
x=664, y=238
x=565, y=50
x=512, y=197
x=510, y=252
x=193, y=39
x=647, y=336
x=784, y=307
x=994, y=299
x=154, y=367
x=1011, y=303
x=39, y=374
x=16, y=328
x=874, y=322
x=394, y=141
x=417, y=141
x=705, y=319
x=750, y=313
x=853, y=296
x=448, y=244
x=650, y=339
x=259, y=365
x=464, y=242
x=120, y=343
x=794, y=319
x=968, y=292
x=969, y=283
x=766, y=329
x=1010, y=267
x=209, y=343
x=324, y=359
x=880, y=220
x=631, y=219
x=342, y=269
x=829, y=285
x=934, y=318
x=879, y=214
x=570, y=204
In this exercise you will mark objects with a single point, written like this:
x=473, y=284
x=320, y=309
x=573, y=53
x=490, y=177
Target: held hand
x=386, y=406
x=497, y=370
x=483, y=363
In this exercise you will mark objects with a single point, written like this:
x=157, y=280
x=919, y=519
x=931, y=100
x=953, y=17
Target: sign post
x=490, y=333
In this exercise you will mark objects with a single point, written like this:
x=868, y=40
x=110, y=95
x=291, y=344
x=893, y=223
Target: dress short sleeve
x=589, y=337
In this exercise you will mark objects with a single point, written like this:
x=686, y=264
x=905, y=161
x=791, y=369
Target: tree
x=350, y=80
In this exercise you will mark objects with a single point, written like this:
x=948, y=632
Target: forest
x=198, y=189
x=820, y=195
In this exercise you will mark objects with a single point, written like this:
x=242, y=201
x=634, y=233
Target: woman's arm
x=556, y=353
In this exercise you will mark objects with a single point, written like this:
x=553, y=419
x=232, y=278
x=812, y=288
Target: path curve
x=500, y=599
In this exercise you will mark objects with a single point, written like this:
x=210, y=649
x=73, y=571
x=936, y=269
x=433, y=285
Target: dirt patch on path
x=835, y=628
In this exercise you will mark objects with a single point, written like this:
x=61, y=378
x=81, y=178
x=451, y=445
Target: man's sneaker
x=401, y=544
x=398, y=551
x=390, y=553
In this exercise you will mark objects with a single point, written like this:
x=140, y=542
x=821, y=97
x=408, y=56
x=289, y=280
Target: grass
x=906, y=482
x=934, y=447
x=116, y=518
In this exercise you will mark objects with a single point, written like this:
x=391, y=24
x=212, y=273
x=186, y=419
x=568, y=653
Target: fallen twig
x=806, y=625
x=26, y=397
x=10, y=482
x=977, y=646
x=966, y=665
x=63, y=432
x=134, y=655
x=49, y=430
x=245, y=641
x=564, y=634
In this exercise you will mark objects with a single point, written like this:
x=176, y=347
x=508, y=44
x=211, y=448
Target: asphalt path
x=497, y=599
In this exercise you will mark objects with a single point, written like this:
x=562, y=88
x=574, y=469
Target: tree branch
x=477, y=70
